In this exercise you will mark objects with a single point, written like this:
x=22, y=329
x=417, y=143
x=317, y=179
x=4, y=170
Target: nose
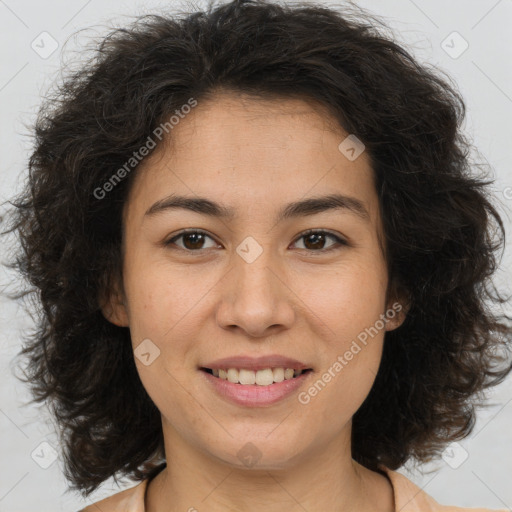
x=256, y=297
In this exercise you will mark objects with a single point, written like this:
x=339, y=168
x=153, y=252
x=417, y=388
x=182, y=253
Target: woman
x=263, y=262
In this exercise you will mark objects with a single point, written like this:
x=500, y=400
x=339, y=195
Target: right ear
x=112, y=302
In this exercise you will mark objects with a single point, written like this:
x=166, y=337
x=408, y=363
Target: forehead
x=251, y=153
x=235, y=125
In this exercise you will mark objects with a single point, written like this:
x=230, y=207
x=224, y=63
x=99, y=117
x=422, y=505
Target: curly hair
x=442, y=231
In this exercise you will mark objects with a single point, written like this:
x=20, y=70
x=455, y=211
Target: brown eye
x=315, y=240
x=192, y=240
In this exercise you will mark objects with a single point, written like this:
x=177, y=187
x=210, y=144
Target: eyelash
x=340, y=241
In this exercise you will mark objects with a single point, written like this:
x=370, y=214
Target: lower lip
x=254, y=395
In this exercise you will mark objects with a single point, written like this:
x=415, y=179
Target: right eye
x=193, y=240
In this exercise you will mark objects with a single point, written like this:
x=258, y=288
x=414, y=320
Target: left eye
x=318, y=237
x=193, y=240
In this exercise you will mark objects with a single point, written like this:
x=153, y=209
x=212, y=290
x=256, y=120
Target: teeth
x=247, y=377
x=264, y=377
x=288, y=373
x=261, y=377
x=233, y=375
x=278, y=374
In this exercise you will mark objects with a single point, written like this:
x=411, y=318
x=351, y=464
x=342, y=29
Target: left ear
x=398, y=305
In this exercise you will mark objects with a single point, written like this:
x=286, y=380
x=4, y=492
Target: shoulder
x=129, y=500
x=408, y=498
x=411, y=498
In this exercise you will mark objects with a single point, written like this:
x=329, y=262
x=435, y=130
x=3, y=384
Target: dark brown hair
x=442, y=231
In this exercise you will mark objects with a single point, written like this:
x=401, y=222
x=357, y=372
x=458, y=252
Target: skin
x=296, y=299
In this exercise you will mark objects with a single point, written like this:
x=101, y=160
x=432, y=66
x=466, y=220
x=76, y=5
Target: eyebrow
x=305, y=207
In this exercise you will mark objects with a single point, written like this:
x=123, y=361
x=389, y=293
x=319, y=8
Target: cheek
x=344, y=302
x=160, y=298
x=162, y=314
x=347, y=311
x=344, y=381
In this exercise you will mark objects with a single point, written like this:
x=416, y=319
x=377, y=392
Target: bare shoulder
x=128, y=500
x=409, y=497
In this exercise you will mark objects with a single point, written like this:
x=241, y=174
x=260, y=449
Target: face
x=255, y=285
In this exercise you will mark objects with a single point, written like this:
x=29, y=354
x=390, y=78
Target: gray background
x=475, y=473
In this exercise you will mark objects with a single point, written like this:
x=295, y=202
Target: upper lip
x=256, y=363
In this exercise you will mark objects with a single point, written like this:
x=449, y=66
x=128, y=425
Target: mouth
x=262, y=377
x=250, y=381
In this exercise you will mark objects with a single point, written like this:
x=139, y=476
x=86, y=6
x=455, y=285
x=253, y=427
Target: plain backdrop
x=469, y=40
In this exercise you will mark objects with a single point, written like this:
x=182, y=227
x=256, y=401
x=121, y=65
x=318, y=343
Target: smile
x=250, y=388
x=264, y=377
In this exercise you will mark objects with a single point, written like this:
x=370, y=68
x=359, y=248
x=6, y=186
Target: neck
x=328, y=479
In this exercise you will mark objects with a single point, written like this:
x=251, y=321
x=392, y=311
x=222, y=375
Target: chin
x=259, y=452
